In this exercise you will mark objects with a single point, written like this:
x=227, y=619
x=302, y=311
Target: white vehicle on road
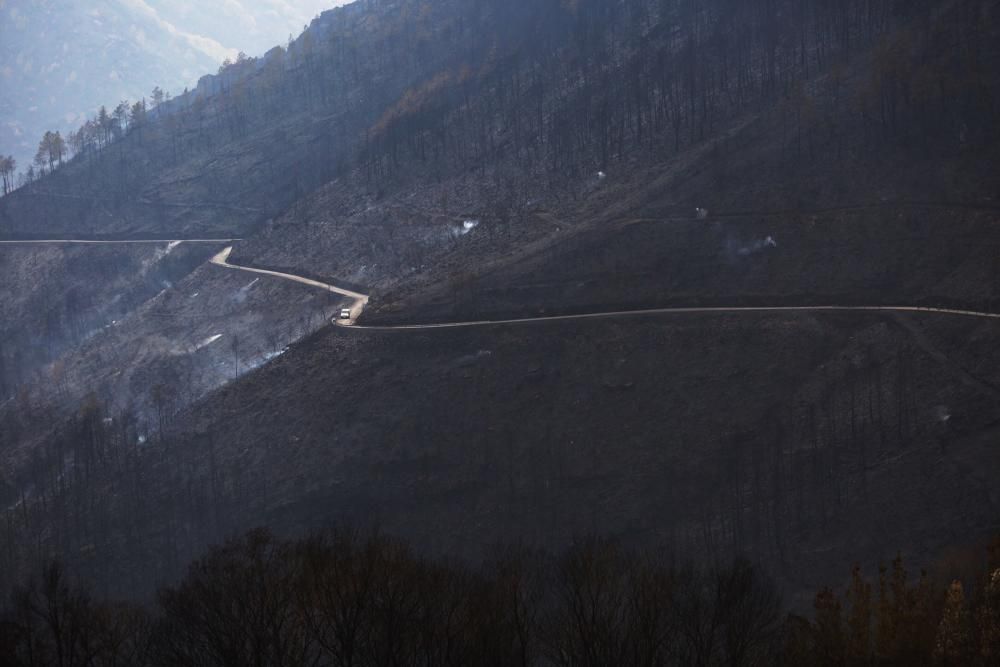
x=345, y=313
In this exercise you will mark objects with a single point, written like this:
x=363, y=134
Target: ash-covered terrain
x=525, y=176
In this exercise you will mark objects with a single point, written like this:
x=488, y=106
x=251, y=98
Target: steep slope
x=801, y=440
x=53, y=298
x=887, y=140
x=581, y=139
x=247, y=143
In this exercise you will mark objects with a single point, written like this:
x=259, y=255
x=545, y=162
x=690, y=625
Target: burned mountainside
x=496, y=159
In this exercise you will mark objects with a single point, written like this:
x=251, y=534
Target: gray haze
x=61, y=59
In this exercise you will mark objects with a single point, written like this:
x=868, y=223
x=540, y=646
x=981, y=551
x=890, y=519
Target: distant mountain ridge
x=63, y=60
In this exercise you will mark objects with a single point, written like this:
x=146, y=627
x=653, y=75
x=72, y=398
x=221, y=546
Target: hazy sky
x=221, y=27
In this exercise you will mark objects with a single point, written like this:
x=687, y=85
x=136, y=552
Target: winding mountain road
x=359, y=301
x=112, y=242
x=689, y=311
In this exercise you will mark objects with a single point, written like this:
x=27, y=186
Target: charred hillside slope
x=804, y=441
x=393, y=90
x=579, y=136
x=799, y=115
x=250, y=141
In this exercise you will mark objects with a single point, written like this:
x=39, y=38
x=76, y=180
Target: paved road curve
x=117, y=242
x=359, y=301
x=690, y=311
